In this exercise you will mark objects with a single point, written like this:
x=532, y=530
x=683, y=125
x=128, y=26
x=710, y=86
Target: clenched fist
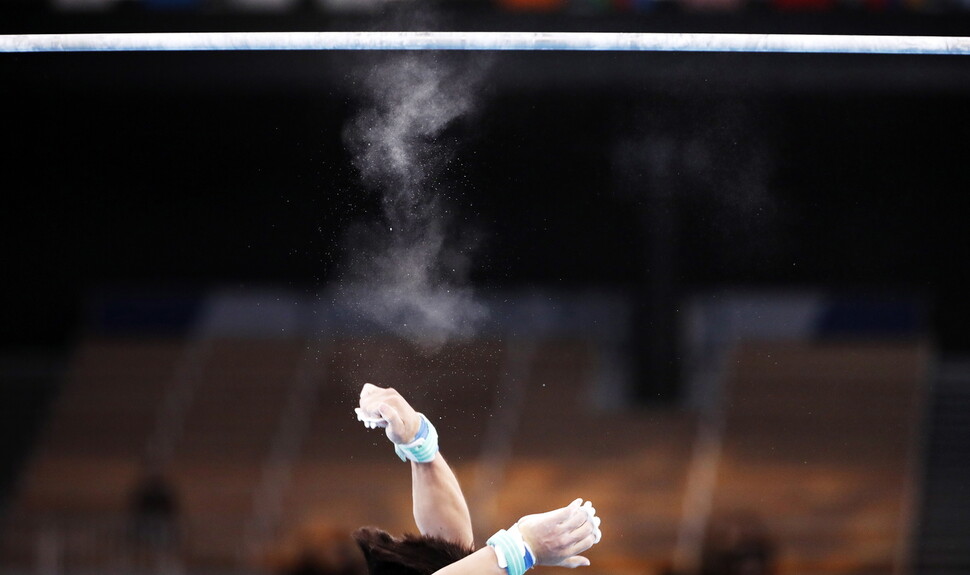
x=384, y=407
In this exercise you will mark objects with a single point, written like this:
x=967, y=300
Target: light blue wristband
x=424, y=447
x=512, y=551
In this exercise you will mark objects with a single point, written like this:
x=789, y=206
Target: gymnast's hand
x=392, y=412
x=557, y=537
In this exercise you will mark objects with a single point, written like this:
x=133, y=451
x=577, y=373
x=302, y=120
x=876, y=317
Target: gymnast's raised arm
x=440, y=509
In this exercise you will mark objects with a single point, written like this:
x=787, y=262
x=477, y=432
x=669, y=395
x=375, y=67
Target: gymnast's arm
x=556, y=538
x=481, y=562
x=439, y=505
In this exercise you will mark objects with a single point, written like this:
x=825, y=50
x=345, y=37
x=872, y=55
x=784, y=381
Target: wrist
x=424, y=447
x=420, y=429
x=512, y=551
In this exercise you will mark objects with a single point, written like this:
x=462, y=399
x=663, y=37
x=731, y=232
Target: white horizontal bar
x=592, y=41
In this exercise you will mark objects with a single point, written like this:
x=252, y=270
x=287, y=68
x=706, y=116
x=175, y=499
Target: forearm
x=481, y=562
x=439, y=505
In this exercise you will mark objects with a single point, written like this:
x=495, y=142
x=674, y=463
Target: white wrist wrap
x=512, y=552
x=424, y=447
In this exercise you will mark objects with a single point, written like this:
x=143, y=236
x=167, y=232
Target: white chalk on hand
x=370, y=422
x=591, y=512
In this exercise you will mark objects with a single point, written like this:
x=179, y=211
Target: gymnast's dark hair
x=408, y=555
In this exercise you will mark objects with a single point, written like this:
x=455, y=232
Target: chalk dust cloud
x=408, y=269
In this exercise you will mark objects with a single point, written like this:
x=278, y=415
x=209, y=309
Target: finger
x=581, y=532
x=371, y=398
x=565, y=513
x=577, y=518
x=369, y=421
x=597, y=532
x=367, y=396
x=588, y=528
x=557, y=516
x=574, y=562
x=370, y=418
x=591, y=513
x=581, y=545
x=364, y=415
x=368, y=389
x=393, y=418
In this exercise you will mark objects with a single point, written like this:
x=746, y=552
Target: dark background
x=195, y=169
x=658, y=176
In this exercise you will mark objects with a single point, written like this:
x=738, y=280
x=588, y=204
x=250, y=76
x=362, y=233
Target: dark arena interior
x=721, y=295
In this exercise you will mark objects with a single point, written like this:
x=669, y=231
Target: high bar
x=522, y=41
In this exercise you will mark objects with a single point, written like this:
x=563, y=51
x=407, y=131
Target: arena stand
x=247, y=407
